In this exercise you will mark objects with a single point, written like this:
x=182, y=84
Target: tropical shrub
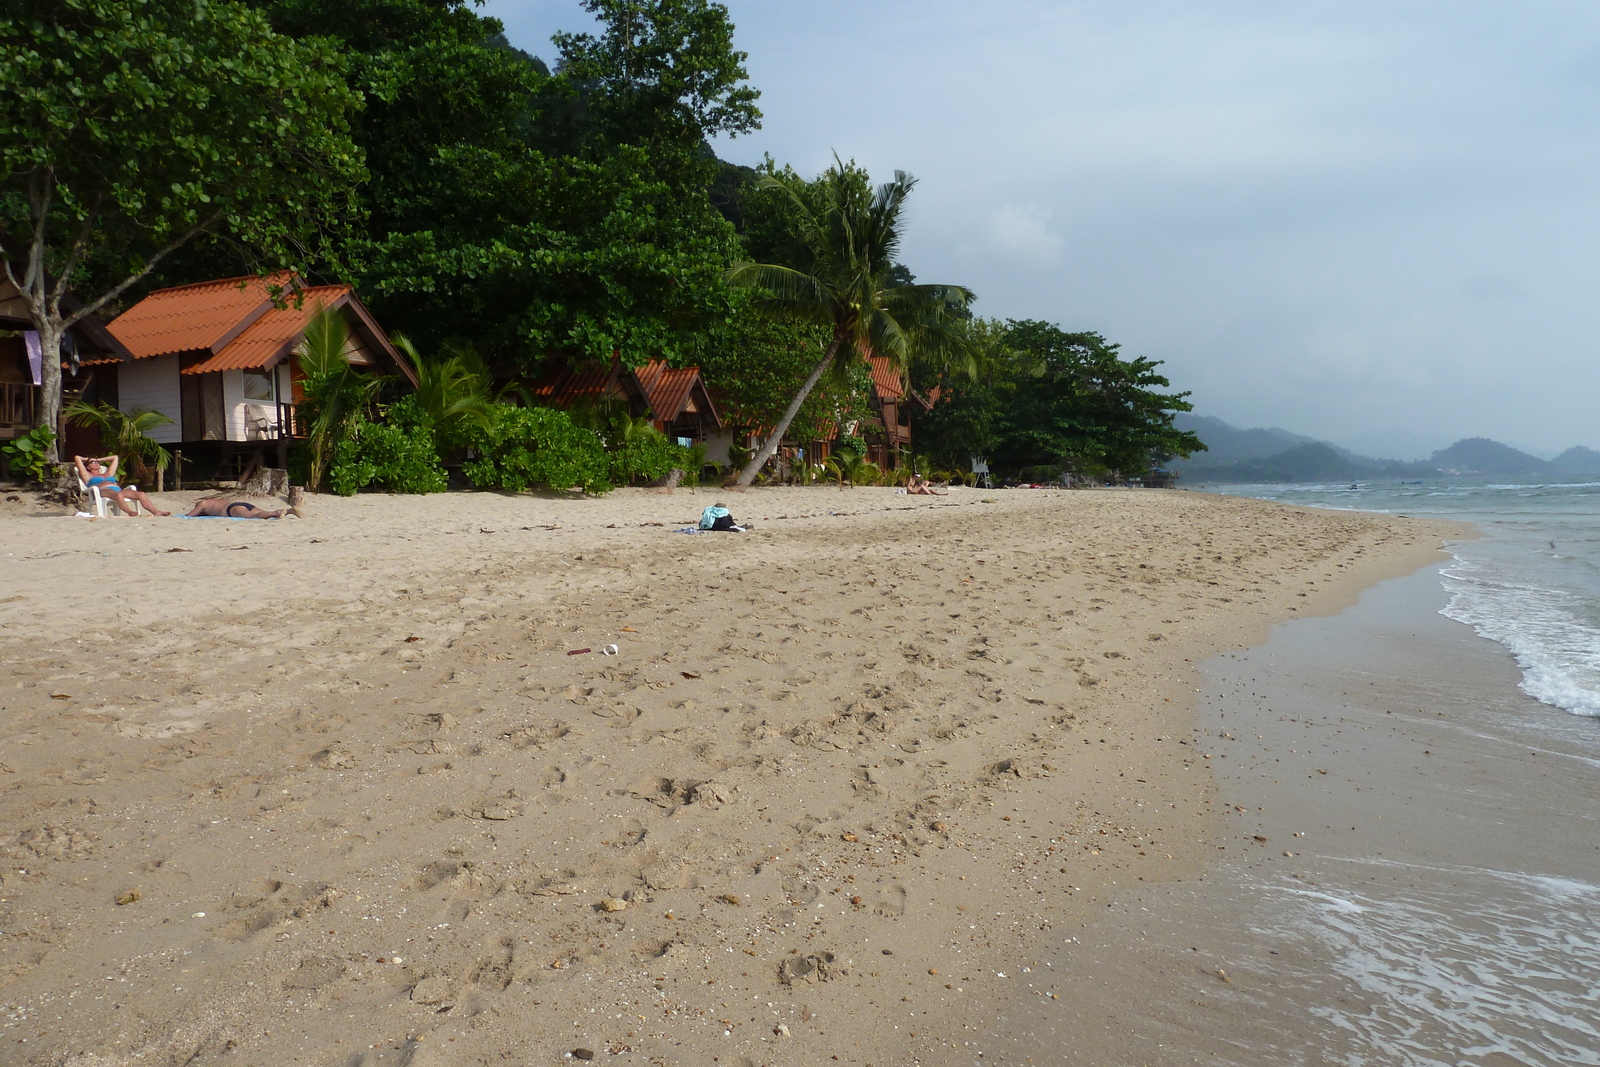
x=395, y=456
x=852, y=467
x=521, y=448
x=650, y=457
x=695, y=464
x=336, y=395
x=452, y=390
x=126, y=434
x=31, y=453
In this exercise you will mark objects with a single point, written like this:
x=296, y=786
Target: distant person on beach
x=717, y=517
x=919, y=486
x=217, y=507
x=101, y=473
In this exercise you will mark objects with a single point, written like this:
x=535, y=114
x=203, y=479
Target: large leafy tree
x=841, y=243
x=132, y=128
x=970, y=419
x=532, y=213
x=1059, y=399
x=754, y=362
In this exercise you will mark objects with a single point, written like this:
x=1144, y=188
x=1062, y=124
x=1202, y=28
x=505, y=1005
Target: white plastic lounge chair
x=100, y=502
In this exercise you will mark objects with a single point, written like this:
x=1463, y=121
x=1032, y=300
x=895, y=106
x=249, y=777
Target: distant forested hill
x=1578, y=462
x=1313, y=462
x=1227, y=444
x=1272, y=455
x=1479, y=455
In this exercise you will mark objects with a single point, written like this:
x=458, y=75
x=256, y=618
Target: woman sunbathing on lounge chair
x=218, y=507
x=96, y=473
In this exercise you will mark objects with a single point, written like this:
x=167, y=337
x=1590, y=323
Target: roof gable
x=237, y=321
x=669, y=390
x=201, y=317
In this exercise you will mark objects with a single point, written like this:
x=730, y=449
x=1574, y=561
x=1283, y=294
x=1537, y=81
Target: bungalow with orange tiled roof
x=888, y=431
x=218, y=359
x=673, y=398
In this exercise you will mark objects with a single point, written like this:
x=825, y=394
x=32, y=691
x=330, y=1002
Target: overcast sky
x=1346, y=219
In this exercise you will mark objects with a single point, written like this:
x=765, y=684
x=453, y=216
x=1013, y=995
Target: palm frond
x=321, y=350
x=802, y=295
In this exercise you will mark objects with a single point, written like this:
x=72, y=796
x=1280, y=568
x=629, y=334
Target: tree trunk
x=770, y=447
x=50, y=384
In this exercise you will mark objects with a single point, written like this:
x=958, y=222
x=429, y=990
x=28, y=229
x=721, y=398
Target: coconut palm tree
x=337, y=395
x=849, y=237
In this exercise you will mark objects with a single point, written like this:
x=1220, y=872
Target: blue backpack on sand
x=716, y=517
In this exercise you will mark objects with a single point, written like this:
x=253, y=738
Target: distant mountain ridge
x=1277, y=455
x=1479, y=455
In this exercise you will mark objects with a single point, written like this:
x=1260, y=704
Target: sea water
x=1407, y=867
x=1473, y=937
x=1532, y=583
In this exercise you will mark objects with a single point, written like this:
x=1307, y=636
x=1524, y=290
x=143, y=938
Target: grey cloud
x=1341, y=218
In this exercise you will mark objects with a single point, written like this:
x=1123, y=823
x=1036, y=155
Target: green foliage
x=133, y=127
x=524, y=448
x=1049, y=401
x=452, y=392
x=130, y=123
x=757, y=362
x=854, y=469
x=661, y=71
x=126, y=433
x=31, y=453
x=694, y=464
x=336, y=395
x=398, y=455
x=842, y=239
x=635, y=449
x=529, y=212
x=650, y=457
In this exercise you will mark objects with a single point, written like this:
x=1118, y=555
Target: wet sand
x=334, y=791
x=1408, y=871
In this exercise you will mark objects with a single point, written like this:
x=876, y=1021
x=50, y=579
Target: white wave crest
x=1558, y=651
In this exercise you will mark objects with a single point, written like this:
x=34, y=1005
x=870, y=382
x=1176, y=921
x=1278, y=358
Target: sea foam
x=1546, y=630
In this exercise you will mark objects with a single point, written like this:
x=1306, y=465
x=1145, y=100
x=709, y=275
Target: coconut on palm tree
x=847, y=237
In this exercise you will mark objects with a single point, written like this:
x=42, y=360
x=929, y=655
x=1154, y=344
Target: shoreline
x=863, y=801
x=1405, y=874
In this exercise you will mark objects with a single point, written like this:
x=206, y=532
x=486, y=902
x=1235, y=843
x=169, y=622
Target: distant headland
x=1274, y=455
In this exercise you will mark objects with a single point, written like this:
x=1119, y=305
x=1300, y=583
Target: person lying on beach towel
x=222, y=508
x=102, y=472
x=717, y=517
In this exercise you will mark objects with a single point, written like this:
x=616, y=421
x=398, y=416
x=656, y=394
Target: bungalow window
x=258, y=385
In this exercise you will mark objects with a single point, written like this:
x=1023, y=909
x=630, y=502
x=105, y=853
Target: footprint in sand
x=271, y=903
x=314, y=972
x=890, y=901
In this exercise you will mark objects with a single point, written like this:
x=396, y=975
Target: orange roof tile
x=886, y=377
x=669, y=388
x=274, y=334
x=565, y=385
x=200, y=317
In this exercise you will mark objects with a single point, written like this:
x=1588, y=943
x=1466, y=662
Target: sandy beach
x=335, y=790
